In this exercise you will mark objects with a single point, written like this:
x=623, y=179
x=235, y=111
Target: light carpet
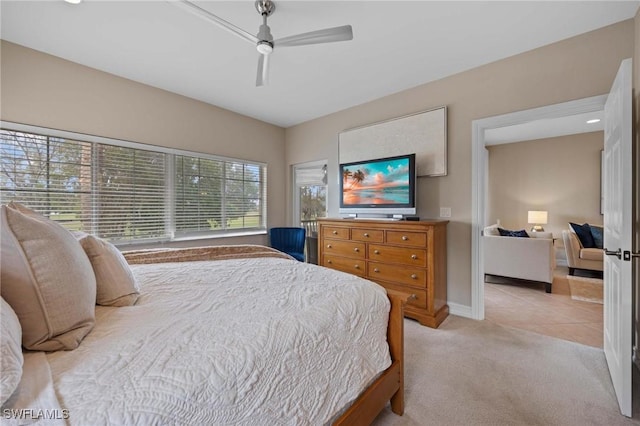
x=471, y=372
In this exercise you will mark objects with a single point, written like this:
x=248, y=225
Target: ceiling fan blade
x=210, y=17
x=328, y=35
x=263, y=71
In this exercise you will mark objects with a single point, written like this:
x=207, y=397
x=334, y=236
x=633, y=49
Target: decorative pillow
x=584, y=234
x=598, y=236
x=47, y=279
x=115, y=284
x=11, y=359
x=508, y=233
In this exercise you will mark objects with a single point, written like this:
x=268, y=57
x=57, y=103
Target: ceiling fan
x=264, y=41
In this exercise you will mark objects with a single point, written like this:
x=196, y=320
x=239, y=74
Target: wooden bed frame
x=390, y=384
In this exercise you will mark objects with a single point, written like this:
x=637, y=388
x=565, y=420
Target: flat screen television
x=383, y=186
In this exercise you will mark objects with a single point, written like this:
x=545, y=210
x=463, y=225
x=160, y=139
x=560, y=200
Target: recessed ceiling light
x=594, y=120
x=74, y=1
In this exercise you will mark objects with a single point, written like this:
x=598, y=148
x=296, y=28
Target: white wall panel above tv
x=423, y=133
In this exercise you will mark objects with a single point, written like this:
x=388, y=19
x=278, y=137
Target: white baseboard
x=460, y=310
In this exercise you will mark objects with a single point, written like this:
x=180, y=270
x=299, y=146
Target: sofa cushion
x=592, y=254
x=584, y=234
x=597, y=232
x=115, y=283
x=47, y=279
x=11, y=359
x=508, y=233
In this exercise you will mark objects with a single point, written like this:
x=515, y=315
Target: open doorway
x=542, y=185
x=480, y=191
x=310, y=202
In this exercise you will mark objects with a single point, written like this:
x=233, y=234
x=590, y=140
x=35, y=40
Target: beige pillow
x=11, y=359
x=115, y=283
x=47, y=279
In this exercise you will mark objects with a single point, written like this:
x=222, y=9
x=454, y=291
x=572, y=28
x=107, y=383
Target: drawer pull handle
x=335, y=232
x=414, y=277
x=376, y=252
x=366, y=235
x=356, y=249
x=357, y=266
x=405, y=238
x=329, y=261
x=413, y=296
x=414, y=256
x=376, y=270
x=328, y=245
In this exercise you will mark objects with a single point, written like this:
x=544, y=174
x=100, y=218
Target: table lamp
x=537, y=218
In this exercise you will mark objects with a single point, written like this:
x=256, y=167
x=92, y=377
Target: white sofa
x=530, y=258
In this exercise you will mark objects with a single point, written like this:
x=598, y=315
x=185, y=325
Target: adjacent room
x=531, y=174
x=319, y=212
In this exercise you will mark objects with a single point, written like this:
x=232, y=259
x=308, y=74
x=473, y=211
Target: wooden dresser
x=405, y=256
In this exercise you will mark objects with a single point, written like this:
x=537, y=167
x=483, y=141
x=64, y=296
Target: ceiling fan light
x=73, y=1
x=264, y=47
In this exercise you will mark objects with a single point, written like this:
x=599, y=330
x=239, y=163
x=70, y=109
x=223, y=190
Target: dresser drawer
x=352, y=266
x=335, y=232
x=405, y=256
x=396, y=273
x=409, y=239
x=344, y=248
x=368, y=235
x=418, y=297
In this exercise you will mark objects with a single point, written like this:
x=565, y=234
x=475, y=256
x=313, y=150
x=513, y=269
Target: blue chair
x=289, y=240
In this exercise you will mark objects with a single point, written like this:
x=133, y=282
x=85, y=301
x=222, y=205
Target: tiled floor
x=525, y=305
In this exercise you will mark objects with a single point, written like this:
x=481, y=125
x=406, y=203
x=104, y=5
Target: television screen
x=381, y=183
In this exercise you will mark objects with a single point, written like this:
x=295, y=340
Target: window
x=131, y=192
x=214, y=195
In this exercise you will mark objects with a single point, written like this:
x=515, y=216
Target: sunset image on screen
x=377, y=182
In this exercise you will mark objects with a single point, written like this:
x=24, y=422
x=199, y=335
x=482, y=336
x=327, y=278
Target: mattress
x=243, y=341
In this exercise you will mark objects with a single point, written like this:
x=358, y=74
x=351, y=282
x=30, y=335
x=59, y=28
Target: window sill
x=175, y=242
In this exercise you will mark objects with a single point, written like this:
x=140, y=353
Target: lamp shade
x=537, y=217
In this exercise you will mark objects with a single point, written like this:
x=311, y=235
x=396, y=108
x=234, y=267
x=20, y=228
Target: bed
x=218, y=335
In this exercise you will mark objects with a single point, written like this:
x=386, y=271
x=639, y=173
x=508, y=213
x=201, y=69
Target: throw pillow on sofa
x=507, y=233
x=584, y=234
x=597, y=234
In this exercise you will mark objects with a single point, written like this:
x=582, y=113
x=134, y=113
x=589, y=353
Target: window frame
x=170, y=195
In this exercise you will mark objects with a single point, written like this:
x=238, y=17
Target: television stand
x=357, y=216
x=373, y=218
x=405, y=256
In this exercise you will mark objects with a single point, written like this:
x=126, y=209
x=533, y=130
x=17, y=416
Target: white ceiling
x=547, y=128
x=397, y=45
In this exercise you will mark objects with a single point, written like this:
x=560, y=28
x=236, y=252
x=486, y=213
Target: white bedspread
x=260, y=341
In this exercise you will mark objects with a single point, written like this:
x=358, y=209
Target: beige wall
x=43, y=90
x=575, y=68
x=560, y=175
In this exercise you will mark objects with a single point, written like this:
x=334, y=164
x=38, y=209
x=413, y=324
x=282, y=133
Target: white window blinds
x=310, y=175
x=125, y=193
x=218, y=195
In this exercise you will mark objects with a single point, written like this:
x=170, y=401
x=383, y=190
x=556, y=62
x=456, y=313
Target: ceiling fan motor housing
x=265, y=7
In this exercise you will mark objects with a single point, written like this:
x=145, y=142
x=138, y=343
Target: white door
x=618, y=213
